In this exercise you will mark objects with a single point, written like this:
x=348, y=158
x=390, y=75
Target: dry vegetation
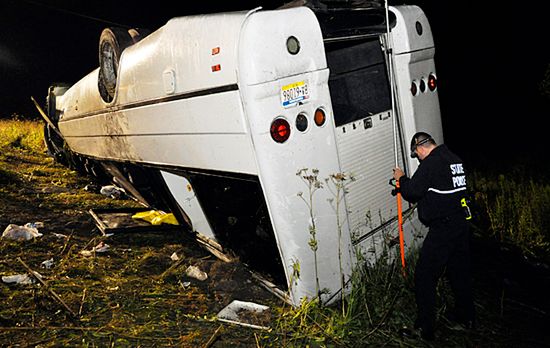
x=135, y=295
x=132, y=295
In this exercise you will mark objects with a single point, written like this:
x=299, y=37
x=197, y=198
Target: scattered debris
x=55, y=296
x=16, y=232
x=47, y=264
x=156, y=217
x=100, y=248
x=174, y=257
x=149, y=312
x=195, y=272
x=247, y=314
x=122, y=220
x=21, y=279
x=214, y=248
x=170, y=269
x=112, y=191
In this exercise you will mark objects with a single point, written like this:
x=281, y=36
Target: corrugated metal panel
x=368, y=154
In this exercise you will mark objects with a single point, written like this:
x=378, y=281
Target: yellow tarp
x=156, y=217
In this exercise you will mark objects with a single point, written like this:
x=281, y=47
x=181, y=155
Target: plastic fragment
x=195, y=272
x=156, y=217
x=47, y=264
x=21, y=279
x=112, y=191
x=16, y=232
x=100, y=248
x=245, y=314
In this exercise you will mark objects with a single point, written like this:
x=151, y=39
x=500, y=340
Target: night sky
x=490, y=60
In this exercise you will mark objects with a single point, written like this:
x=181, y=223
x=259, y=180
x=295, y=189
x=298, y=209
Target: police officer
x=439, y=187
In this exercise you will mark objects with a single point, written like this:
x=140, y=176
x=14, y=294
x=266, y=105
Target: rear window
x=358, y=80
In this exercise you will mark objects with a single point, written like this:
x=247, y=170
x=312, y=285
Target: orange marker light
x=216, y=67
x=215, y=51
x=319, y=117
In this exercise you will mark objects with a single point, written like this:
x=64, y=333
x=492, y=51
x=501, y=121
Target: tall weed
x=380, y=304
x=515, y=208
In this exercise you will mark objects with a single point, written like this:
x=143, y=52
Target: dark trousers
x=445, y=248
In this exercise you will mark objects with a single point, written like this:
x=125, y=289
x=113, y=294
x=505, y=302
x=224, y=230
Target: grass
x=123, y=302
x=133, y=295
x=380, y=305
x=514, y=208
x=22, y=134
x=31, y=178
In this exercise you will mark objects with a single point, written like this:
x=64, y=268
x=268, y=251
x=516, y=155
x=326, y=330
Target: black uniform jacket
x=438, y=185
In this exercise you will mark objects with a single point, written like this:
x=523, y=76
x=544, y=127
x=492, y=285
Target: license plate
x=294, y=93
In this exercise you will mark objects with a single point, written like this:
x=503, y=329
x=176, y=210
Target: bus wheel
x=138, y=33
x=111, y=44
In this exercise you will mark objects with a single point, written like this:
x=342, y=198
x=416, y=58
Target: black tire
x=138, y=34
x=112, y=43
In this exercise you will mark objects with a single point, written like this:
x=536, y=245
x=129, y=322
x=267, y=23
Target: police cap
x=419, y=138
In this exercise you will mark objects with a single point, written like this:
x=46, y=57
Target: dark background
x=491, y=57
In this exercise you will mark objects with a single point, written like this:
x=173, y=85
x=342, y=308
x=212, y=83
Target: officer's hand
x=397, y=173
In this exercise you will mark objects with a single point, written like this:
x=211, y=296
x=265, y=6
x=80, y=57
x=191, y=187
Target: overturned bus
x=271, y=134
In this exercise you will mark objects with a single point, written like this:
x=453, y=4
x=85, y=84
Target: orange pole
x=400, y=225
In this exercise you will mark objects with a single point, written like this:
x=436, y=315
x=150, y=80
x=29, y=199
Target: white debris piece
x=100, y=248
x=112, y=191
x=174, y=257
x=244, y=314
x=21, y=279
x=16, y=232
x=195, y=272
x=47, y=264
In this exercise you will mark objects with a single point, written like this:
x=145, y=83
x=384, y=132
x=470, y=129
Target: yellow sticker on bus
x=294, y=93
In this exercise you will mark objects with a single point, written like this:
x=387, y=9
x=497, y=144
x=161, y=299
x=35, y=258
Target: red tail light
x=280, y=130
x=432, y=82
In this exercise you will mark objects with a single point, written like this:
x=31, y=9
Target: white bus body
x=195, y=102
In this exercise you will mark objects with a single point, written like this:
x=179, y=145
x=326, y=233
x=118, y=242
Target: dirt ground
x=511, y=292
x=134, y=294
